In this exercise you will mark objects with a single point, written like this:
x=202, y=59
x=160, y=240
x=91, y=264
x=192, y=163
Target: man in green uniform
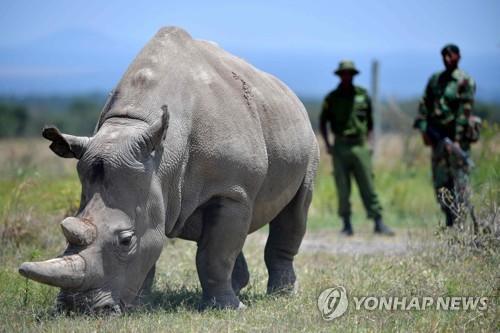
x=446, y=122
x=347, y=110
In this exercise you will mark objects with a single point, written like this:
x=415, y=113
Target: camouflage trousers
x=451, y=184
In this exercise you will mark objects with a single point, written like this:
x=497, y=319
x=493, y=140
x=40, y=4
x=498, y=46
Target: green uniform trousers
x=354, y=158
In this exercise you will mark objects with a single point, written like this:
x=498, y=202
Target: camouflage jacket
x=348, y=113
x=447, y=104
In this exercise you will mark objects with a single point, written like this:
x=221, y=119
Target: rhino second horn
x=78, y=232
x=67, y=272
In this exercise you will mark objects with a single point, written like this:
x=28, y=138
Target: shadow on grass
x=187, y=299
x=171, y=300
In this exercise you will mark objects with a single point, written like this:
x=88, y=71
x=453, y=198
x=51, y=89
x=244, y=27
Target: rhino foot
x=221, y=302
x=282, y=282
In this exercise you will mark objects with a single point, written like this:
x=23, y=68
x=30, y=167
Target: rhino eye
x=126, y=241
x=125, y=238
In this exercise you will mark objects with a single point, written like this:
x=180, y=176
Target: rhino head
x=117, y=235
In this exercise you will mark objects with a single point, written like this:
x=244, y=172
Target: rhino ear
x=157, y=132
x=65, y=145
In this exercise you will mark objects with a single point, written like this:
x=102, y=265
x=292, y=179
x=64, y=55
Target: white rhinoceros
x=193, y=143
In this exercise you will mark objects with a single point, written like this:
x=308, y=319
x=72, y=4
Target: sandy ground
x=362, y=243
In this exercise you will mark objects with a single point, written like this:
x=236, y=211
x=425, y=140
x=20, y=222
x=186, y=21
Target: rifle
x=436, y=138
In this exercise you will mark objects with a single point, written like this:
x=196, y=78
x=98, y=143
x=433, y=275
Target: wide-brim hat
x=346, y=66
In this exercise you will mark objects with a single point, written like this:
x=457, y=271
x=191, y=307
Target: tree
x=13, y=120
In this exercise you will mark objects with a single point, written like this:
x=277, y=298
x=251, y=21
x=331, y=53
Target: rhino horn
x=77, y=231
x=67, y=272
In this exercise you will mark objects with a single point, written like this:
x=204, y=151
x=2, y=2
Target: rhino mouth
x=91, y=302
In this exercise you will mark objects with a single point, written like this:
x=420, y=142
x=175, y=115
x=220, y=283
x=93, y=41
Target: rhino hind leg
x=225, y=222
x=240, y=275
x=285, y=235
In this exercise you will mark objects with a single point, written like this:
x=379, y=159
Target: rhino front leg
x=240, y=276
x=225, y=226
x=146, y=288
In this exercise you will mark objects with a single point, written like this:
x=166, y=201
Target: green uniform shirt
x=348, y=112
x=446, y=102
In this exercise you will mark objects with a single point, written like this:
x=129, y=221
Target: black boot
x=381, y=228
x=347, y=230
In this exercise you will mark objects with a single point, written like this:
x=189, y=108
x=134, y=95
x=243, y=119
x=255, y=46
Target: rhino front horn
x=67, y=272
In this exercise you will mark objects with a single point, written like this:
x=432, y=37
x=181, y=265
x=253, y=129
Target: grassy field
x=38, y=189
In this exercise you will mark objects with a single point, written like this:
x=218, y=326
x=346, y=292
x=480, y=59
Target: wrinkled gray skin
x=193, y=143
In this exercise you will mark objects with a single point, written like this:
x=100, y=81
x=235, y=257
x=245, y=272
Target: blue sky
x=77, y=46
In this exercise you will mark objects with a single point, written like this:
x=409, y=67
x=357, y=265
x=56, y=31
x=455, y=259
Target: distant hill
x=78, y=61
x=68, y=62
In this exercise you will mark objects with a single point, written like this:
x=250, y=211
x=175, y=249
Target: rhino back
x=271, y=127
x=234, y=129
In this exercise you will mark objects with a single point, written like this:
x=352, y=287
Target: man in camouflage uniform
x=446, y=122
x=347, y=110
